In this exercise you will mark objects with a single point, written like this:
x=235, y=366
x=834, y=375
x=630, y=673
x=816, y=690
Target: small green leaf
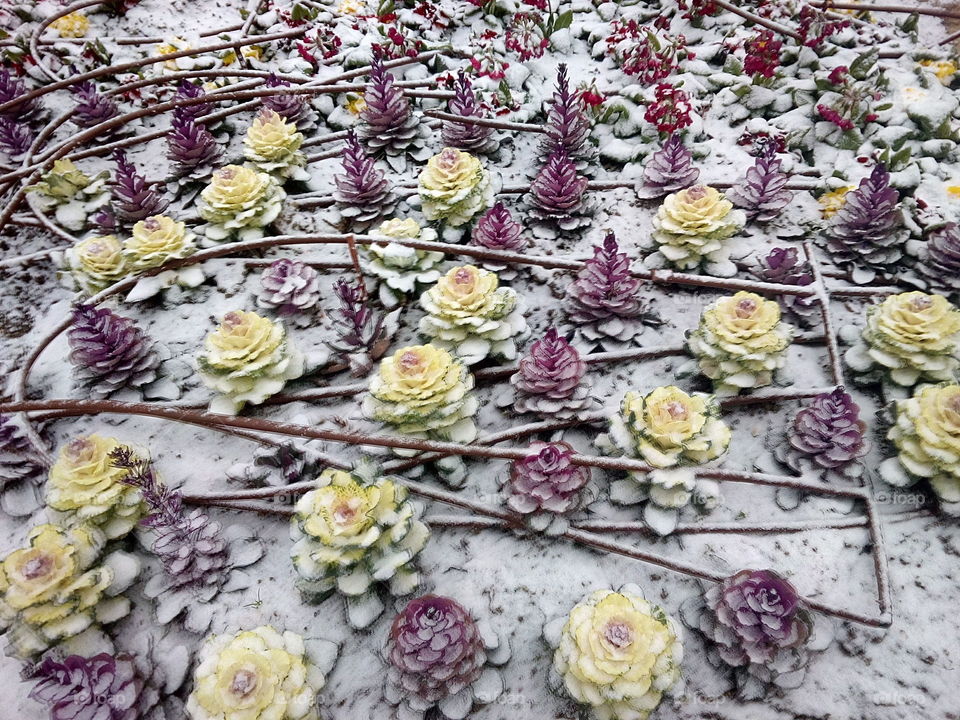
x=563, y=20
x=862, y=66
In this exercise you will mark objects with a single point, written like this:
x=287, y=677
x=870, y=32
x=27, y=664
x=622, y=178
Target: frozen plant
x=567, y=127
x=361, y=335
x=672, y=432
x=472, y=138
x=363, y=194
x=15, y=138
x=21, y=470
x=59, y=585
x=550, y=380
x=783, y=266
x=669, y=169
x=441, y=659
x=740, y=342
x=272, y=145
x=670, y=109
x=389, y=124
x=12, y=88
x=926, y=435
x=497, y=230
x=292, y=108
x=187, y=90
x=400, y=268
x=247, y=359
x=454, y=186
x=355, y=534
x=690, y=229
x=616, y=654
x=91, y=108
x=545, y=485
x=604, y=300
x=936, y=259
x=759, y=630
x=94, y=264
x=289, y=286
x=109, y=352
x=72, y=193
x=132, y=197
x=276, y=465
x=191, y=148
x=557, y=194
x=238, y=203
x=471, y=316
x=762, y=194
x=866, y=235
x=909, y=338
x=154, y=242
x=198, y=558
x=826, y=436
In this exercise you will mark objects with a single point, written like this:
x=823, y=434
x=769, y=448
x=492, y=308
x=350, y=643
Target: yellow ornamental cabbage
x=454, y=186
x=943, y=69
x=357, y=529
x=740, y=342
x=72, y=192
x=85, y=487
x=423, y=390
x=691, y=225
x=257, y=674
x=400, y=267
x=96, y=263
x=239, y=201
x=273, y=145
x=470, y=315
x=618, y=654
x=927, y=438
x=74, y=25
x=909, y=338
x=833, y=200
x=247, y=359
x=56, y=588
x=156, y=240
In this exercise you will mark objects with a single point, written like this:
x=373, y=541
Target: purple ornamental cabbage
x=549, y=379
x=187, y=90
x=669, y=169
x=191, y=148
x=91, y=107
x=292, y=108
x=783, y=266
x=102, y=687
x=937, y=261
x=363, y=194
x=475, y=139
x=109, y=352
x=762, y=193
x=497, y=230
x=567, y=127
x=434, y=649
x=15, y=137
x=546, y=480
x=289, y=286
x=558, y=194
x=21, y=471
x=604, y=299
x=360, y=333
x=389, y=124
x=133, y=197
x=828, y=435
x=12, y=88
x=867, y=234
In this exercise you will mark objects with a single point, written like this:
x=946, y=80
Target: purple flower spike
x=762, y=193
x=434, y=649
x=361, y=334
x=109, y=352
x=937, y=260
x=496, y=229
x=290, y=107
x=558, y=194
x=187, y=90
x=133, y=198
x=549, y=379
x=363, y=194
x=12, y=88
x=669, y=169
x=784, y=267
x=91, y=107
x=191, y=148
x=289, y=286
x=15, y=137
x=604, y=298
x=546, y=480
x=475, y=139
x=102, y=687
x=190, y=547
x=567, y=127
x=389, y=122
x=867, y=235
x=827, y=435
